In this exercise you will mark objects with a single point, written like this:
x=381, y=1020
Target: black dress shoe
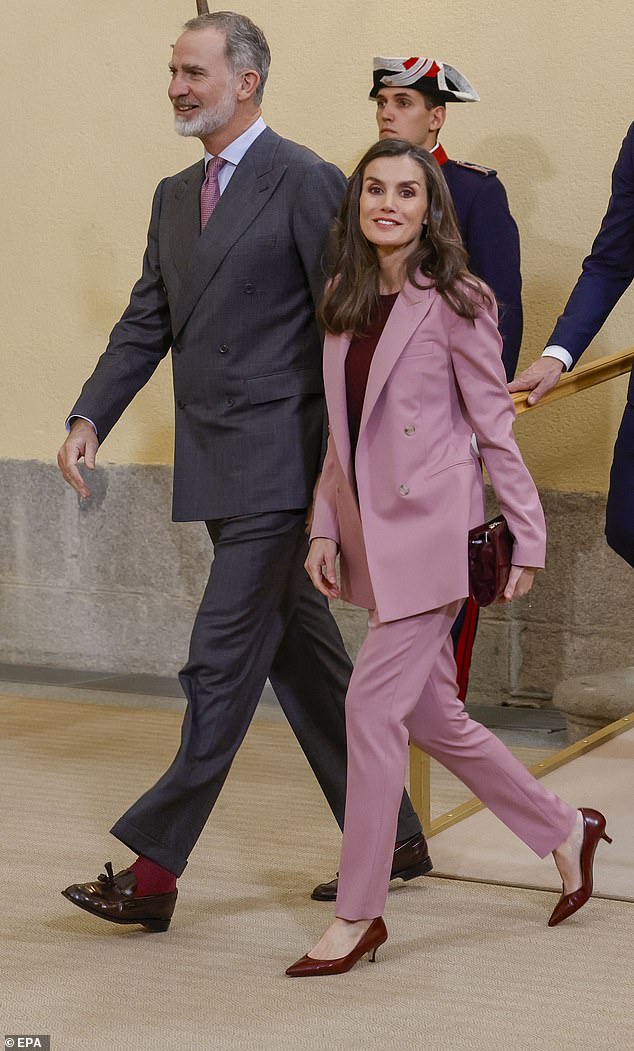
x=112, y=898
x=410, y=860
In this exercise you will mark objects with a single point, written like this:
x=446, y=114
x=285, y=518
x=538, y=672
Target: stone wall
x=110, y=584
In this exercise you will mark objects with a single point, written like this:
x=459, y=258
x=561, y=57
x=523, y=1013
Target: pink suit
x=402, y=531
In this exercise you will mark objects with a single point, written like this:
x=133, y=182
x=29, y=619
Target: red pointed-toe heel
x=309, y=967
x=593, y=831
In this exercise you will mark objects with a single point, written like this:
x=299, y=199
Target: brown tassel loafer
x=309, y=967
x=111, y=897
x=410, y=860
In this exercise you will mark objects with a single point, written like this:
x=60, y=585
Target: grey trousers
x=259, y=617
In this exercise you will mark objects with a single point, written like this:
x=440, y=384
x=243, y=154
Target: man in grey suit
x=235, y=302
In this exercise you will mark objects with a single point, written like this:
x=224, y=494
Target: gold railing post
x=420, y=785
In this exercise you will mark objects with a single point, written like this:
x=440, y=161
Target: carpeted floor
x=467, y=966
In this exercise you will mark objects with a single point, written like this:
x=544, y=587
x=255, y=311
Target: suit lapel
x=252, y=184
x=185, y=228
x=412, y=305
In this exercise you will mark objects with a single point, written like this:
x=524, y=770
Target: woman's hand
x=519, y=583
x=320, y=566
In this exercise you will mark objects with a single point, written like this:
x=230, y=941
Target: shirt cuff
x=560, y=353
x=77, y=417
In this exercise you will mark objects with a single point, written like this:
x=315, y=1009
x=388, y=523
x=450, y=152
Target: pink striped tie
x=210, y=190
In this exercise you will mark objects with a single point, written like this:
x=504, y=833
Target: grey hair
x=245, y=43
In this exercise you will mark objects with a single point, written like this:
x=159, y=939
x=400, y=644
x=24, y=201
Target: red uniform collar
x=439, y=155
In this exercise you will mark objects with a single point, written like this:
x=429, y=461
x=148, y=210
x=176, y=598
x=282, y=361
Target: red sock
x=152, y=878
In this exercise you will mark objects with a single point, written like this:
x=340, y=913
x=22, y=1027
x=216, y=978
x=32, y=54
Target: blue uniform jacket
x=492, y=240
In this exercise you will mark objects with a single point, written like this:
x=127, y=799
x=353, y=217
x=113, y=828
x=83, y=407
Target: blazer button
x=177, y=349
x=410, y=429
x=403, y=490
x=223, y=348
x=249, y=288
x=181, y=404
x=229, y=402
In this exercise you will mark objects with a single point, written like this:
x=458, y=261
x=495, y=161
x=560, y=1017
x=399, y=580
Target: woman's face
x=393, y=202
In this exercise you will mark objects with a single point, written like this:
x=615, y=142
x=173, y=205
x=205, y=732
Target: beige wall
x=87, y=134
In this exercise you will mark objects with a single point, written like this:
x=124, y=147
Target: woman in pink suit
x=412, y=369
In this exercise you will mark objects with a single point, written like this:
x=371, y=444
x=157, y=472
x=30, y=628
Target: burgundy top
x=358, y=361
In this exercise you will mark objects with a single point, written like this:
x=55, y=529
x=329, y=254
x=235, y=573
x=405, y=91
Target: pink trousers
x=404, y=688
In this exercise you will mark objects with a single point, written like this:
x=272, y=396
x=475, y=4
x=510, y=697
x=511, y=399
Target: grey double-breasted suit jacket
x=236, y=305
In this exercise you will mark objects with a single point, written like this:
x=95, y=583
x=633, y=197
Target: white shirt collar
x=235, y=151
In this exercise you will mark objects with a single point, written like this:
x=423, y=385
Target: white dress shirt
x=234, y=152
x=553, y=351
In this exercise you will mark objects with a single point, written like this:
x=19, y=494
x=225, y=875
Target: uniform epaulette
x=476, y=168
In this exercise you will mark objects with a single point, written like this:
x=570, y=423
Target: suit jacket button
x=410, y=429
x=181, y=404
x=177, y=349
x=223, y=348
x=249, y=288
x=403, y=490
x=229, y=402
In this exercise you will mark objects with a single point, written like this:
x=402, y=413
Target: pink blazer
x=435, y=379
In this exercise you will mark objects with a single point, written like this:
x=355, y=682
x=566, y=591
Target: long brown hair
x=351, y=296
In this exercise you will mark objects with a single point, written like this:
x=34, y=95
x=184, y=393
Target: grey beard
x=207, y=120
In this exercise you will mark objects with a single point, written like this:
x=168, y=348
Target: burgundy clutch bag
x=490, y=550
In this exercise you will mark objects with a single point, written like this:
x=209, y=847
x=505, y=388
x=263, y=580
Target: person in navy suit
x=231, y=278
x=605, y=275
x=411, y=96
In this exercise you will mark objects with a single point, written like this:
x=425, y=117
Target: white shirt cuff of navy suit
x=76, y=416
x=560, y=353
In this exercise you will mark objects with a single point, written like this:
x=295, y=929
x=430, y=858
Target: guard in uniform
x=411, y=95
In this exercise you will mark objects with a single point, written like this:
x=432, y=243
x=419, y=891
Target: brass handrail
x=540, y=769
x=606, y=368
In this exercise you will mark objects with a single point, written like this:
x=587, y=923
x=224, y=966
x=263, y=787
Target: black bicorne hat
x=427, y=75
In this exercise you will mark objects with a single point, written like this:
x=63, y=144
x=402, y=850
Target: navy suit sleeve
x=609, y=269
x=493, y=243
x=137, y=343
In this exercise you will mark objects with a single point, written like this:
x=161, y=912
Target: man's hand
x=82, y=441
x=538, y=378
x=320, y=566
